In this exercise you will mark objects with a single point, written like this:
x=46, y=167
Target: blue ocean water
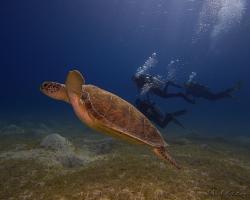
x=108, y=40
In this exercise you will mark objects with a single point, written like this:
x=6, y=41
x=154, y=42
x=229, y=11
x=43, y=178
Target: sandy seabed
x=39, y=161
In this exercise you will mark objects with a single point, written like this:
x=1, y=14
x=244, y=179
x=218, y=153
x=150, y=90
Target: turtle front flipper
x=74, y=81
x=74, y=84
x=163, y=154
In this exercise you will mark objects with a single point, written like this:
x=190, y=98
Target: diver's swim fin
x=178, y=113
x=175, y=114
x=238, y=86
x=235, y=88
x=178, y=123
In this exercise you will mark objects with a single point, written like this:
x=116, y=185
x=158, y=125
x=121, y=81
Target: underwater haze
x=205, y=41
x=109, y=40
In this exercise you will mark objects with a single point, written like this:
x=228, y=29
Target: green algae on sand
x=131, y=172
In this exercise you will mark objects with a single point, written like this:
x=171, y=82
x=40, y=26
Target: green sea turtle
x=108, y=113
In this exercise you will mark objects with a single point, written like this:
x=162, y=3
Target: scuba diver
x=154, y=114
x=158, y=87
x=195, y=89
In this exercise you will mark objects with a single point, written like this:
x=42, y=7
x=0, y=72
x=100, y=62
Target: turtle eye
x=45, y=85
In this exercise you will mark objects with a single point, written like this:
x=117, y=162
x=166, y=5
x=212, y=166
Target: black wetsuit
x=154, y=114
x=158, y=87
x=196, y=90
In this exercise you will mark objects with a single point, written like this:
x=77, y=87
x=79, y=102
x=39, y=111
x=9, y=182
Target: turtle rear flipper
x=163, y=154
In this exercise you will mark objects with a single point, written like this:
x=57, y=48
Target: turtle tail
x=163, y=154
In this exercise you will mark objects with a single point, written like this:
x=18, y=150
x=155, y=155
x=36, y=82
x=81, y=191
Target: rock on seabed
x=57, y=142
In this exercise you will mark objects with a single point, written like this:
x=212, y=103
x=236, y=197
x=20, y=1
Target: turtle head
x=74, y=81
x=54, y=90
